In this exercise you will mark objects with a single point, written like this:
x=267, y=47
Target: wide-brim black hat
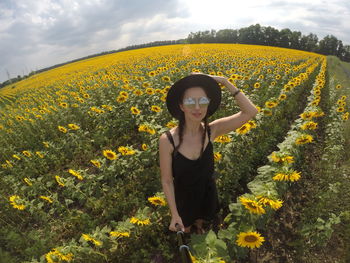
x=209, y=84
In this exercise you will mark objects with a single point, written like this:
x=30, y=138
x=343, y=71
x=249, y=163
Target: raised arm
x=227, y=124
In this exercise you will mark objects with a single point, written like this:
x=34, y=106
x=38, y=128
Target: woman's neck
x=192, y=129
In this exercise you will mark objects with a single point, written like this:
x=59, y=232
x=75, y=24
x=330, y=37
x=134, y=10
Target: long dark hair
x=182, y=125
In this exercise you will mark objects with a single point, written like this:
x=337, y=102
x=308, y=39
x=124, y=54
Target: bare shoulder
x=163, y=139
x=165, y=152
x=164, y=143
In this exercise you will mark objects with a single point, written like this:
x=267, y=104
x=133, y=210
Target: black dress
x=194, y=185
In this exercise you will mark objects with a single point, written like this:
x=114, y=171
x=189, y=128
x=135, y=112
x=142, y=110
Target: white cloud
x=40, y=34
x=313, y=16
x=36, y=34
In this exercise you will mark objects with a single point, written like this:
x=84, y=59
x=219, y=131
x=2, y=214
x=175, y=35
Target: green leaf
x=228, y=218
x=221, y=248
x=211, y=238
x=225, y=234
x=235, y=209
x=199, y=245
x=68, y=202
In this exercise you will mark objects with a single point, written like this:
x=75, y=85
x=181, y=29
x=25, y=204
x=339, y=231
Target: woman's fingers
x=176, y=226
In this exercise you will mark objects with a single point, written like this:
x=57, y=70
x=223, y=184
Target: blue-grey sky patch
x=37, y=34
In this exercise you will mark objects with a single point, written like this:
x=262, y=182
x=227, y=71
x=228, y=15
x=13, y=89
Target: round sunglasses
x=190, y=102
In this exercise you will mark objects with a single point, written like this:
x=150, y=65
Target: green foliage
x=320, y=231
x=208, y=248
x=108, y=197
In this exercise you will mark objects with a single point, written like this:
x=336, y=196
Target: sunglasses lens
x=191, y=102
x=203, y=102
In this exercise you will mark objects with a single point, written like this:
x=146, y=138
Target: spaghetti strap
x=209, y=132
x=168, y=134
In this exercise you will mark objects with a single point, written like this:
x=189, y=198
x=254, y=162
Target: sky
x=37, y=34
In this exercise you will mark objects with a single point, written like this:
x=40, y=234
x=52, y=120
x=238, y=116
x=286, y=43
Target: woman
x=186, y=152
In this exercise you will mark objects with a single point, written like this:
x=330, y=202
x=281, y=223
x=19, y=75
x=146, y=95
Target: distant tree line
x=254, y=34
x=151, y=44
x=269, y=36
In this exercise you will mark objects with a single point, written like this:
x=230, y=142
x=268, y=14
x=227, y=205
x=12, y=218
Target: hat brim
x=175, y=92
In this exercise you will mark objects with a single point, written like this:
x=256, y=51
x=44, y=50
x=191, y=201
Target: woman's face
x=195, y=103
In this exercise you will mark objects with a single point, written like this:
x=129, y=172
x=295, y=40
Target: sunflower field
x=79, y=165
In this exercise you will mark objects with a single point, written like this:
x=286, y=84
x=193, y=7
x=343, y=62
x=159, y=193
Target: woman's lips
x=196, y=114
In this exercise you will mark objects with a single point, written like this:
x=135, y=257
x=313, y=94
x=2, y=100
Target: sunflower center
x=251, y=239
x=251, y=205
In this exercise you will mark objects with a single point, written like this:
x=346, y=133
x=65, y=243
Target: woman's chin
x=197, y=115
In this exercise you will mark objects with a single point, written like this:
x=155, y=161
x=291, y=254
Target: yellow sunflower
x=135, y=220
x=46, y=198
x=150, y=91
x=252, y=206
x=156, y=108
x=144, y=146
x=16, y=156
x=307, y=115
x=252, y=124
x=275, y=204
x=340, y=109
x=73, y=126
x=109, y=154
x=135, y=110
x=62, y=129
x=57, y=255
x=166, y=78
x=152, y=73
x=271, y=104
x=282, y=97
x=267, y=112
x=39, y=154
x=28, y=182
x=16, y=202
x=59, y=180
x=96, y=163
x=124, y=94
x=75, y=173
x=137, y=92
x=250, y=239
x=303, y=139
x=217, y=156
x=146, y=84
x=156, y=200
x=310, y=125
x=27, y=153
x=222, y=139
x=121, y=99
x=90, y=238
x=243, y=129
x=119, y=234
x=171, y=124
x=287, y=176
x=63, y=104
